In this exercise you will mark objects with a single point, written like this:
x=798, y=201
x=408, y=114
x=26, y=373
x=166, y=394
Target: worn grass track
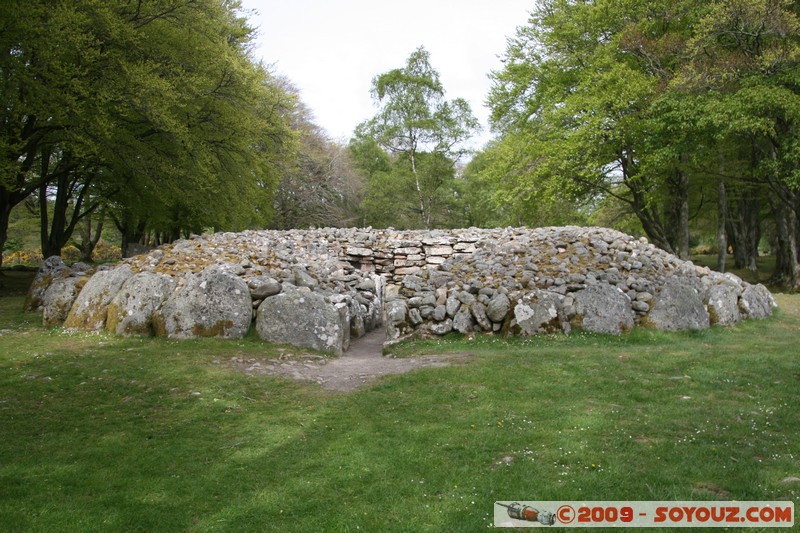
x=110, y=434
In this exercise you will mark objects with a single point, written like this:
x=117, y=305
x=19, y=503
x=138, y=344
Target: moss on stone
x=113, y=318
x=33, y=300
x=159, y=325
x=219, y=329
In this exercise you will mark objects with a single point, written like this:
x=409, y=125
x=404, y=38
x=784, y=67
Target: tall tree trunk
x=722, y=237
x=68, y=209
x=132, y=233
x=8, y=200
x=5, y=217
x=744, y=227
x=53, y=231
x=650, y=219
x=787, y=259
x=678, y=213
x=422, y=210
x=90, y=236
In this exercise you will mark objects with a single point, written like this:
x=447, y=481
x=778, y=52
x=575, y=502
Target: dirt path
x=361, y=364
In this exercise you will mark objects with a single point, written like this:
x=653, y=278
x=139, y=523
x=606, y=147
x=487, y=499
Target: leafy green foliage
x=153, y=109
x=573, y=110
x=655, y=106
x=319, y=185
x=421, y=133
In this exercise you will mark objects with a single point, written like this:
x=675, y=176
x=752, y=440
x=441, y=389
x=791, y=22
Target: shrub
x=70, y=254
x=12, y=245
x=23, y=257
x=704, y=249
x=105, y=252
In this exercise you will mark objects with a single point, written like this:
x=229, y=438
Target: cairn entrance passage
x=323, y=288
x=359, y=366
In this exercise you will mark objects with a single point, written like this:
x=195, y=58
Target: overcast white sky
x=331, y=49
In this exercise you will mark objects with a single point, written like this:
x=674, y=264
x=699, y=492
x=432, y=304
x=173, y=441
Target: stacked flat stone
x=547, y=280
x=319, y=288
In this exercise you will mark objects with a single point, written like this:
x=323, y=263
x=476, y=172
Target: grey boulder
x=757, y=302
x=498, y=307
x=723, y=304
x=131, y=310
x=213, y=303
x=302, y=318
x=462, y=322
x=59, y=298
x=539, y=312
x=678, y=306
x=397, y=319
x=263, y=287
x=602, y=308
x=52, y=268
x=90, y=309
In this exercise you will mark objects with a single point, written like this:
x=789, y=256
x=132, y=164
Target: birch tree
x=416, y=124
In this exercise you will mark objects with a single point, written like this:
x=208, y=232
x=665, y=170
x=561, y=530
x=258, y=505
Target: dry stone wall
x=322, y=288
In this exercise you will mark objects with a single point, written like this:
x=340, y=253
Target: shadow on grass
x=111, y=434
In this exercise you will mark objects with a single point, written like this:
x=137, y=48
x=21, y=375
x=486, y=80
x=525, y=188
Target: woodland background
x=130, y=124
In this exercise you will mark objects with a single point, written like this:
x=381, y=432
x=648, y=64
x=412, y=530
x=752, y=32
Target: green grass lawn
x=112, y=434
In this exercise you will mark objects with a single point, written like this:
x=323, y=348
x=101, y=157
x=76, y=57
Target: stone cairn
x=321, y=288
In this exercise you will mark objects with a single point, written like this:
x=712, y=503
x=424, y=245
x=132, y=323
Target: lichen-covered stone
x=452, y=305
x=479, y=314
x=468, y=280
x=303, y=279
x=538, y=312
x=723, y=304
x=301, y=318
x=462, y=321
x=52, y=267
x=441, y=328
x=59, y=298
x=498, y=307
x=678, y=306
x=213, y=303
x=757, y=302
x=131, y=310
x=397, y=319
x=603, y=308
x=263, y=287
x=90, y=309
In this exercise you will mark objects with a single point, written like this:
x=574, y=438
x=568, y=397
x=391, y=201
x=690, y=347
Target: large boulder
x=59, y=298
x=397, y=319
x=131, y=310
x=498, y=308
x=90, y=309
x=481, y=319
x=723, y=304
x=462, y=321
x=678, y=306
x=757, y=302
x=539, y=312
x=52, y=268
x=213, y=303
x=602, y=308
x=302, y=318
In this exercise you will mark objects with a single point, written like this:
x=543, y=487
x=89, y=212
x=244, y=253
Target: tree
x=577, y=94
x=510, y=183
x=660, y=105
x=421, y=130
x=320, y=185
x=152, y=109
x=745, y=56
